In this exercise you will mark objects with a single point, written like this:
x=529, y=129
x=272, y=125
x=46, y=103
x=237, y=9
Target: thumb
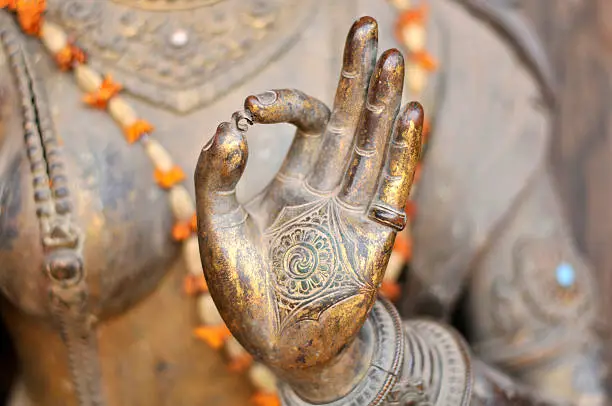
x=219, y=168
x=235, y=270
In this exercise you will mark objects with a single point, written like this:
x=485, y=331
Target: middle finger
x=373, y=132
x=358, y=63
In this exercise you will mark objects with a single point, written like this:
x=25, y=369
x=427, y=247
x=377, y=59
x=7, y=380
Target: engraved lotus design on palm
x=295, y=271
x=312, y=262
x=304, y=260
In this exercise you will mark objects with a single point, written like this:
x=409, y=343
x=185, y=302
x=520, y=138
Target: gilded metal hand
x=295, y=272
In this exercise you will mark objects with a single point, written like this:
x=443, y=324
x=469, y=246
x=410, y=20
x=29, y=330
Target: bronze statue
x=294, y=272
x=96, y=237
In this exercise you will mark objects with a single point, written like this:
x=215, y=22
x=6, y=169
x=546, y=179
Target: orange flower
x=194, y=223
x=10, y=4
x=425, y=60
x=417, y=173
x=265, y=399
x=410, y=209
x=68, y=56
x=415, y=15
x=29, y=13
x=391, y=290
x=403, y=246
x=108, y=89
x=195, y=285
x=215, y=336
x=181, y=231
x=169, y=178
x=240, y=363
x=135, y=131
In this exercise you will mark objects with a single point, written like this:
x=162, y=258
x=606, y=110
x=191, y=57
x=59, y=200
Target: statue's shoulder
x=513, y=26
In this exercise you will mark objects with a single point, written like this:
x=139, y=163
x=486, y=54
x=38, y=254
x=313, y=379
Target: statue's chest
x=183, y=54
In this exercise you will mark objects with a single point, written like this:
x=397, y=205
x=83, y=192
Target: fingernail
x=409, y=126
x=208, y=144
x=256, y=105
x=267, y=98
x=363, y=35
x=414, y=112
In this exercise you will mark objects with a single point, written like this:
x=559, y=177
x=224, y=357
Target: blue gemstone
x=566, y=275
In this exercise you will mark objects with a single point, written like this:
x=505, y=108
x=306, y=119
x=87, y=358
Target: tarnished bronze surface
x=190, y=59
x=295, y=272
x=142, y=362
x=271, y=283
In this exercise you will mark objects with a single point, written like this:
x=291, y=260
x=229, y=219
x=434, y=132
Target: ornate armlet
x=437, y=367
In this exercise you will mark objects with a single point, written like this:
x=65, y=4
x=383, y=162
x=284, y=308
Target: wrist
x=362, y=374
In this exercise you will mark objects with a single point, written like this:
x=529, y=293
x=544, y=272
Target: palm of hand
x=323, y=254
x=317, y=253
x=295, y=272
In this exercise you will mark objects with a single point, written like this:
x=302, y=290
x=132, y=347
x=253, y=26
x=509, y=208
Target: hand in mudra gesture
x=295, y=272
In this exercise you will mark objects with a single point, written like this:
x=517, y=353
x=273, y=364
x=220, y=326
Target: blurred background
x=577, y=35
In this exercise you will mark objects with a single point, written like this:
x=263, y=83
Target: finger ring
x=388, y=217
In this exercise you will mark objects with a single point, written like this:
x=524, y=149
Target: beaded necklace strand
x=101, y=92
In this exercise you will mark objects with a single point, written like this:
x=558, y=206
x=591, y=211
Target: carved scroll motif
x=312, y=272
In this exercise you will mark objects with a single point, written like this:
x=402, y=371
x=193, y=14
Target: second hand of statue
x=295, y=271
